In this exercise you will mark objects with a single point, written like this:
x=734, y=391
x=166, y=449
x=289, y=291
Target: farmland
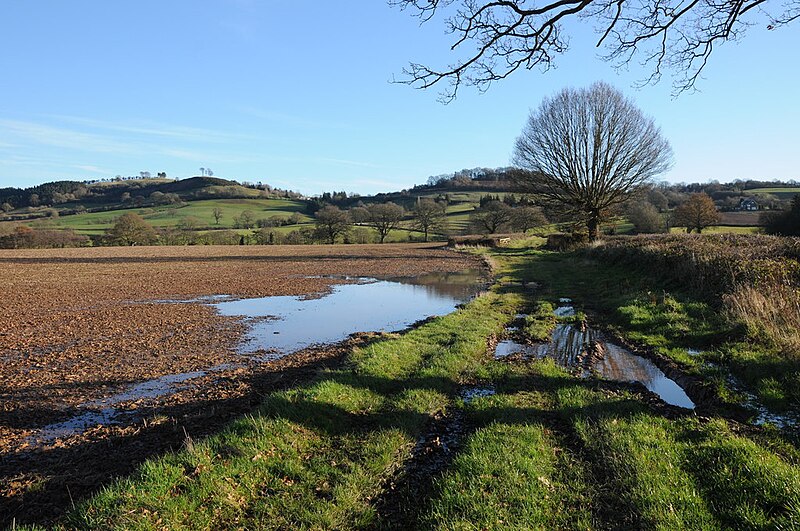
x=81, y=324
x=402, y=430
x=173, y=215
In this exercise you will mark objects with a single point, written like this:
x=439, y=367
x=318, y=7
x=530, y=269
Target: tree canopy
x=331, y=221
x=697, y=213
x=429, y=215
x=587, y=150
x=384, y=217
x=498, y=37
x=131, y=229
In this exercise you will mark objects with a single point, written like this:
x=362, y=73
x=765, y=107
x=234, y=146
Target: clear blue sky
x=297, y=94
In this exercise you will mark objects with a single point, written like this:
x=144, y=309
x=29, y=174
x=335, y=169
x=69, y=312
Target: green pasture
x=783, y=193
x=722, y=229
x=172, y=215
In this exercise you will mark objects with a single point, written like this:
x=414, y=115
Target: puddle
x=762, y=415
x=370, y=305
x=471, y=393
x=281, y=325
x=586, y=350
x=693, y=351
x=620, y=364
x=105, y=411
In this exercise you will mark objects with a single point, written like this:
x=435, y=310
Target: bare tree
x=507, y=35
x=209, y=172
x=202, y=171
x=587, y=150
x=384, y=217
x=428, y=215
x=331, y=221
x=217, y=213
x=491, y=217
x=527, y=217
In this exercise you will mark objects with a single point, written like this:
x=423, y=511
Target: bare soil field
x=81, y=324
x=741, y=219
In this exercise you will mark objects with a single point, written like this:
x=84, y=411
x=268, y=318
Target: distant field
x=172, y=215
x=721, y=229
x=741, y=219
x=783, y=193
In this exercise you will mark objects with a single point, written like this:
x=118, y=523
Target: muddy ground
x=82, y=324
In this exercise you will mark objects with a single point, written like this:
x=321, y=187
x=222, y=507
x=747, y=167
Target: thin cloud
x=290, y=120
x=346, y=162
x=63, y=138
x=93, y=169
x=195, y=134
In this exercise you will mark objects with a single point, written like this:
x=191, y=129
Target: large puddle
x=282, y=325
x=586, y=350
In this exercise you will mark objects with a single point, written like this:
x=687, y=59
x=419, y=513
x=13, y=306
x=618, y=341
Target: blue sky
x=298, y=95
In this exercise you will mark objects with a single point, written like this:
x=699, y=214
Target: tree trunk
x=593, y=224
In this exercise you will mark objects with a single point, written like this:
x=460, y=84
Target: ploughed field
x=80, y=325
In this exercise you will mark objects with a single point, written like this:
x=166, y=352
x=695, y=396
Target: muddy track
x=400, y=504
x=83, y=464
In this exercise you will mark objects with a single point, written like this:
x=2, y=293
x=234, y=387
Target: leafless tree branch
x=499, y=37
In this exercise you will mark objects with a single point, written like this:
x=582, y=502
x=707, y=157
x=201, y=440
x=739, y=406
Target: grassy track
x=553, y=452
x=312, y=457
x=663, y=316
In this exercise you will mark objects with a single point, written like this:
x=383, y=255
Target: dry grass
x=772, y=314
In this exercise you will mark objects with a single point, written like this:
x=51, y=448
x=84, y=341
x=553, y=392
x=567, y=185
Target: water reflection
x=585, y=350
x=461, y=285
x=280, y=325
x=369, y=305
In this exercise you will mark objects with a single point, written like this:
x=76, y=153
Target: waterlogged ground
x=587, y=352
x=559, y=427
x=88, y=339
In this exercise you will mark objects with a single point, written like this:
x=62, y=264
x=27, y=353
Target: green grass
x=546, y=451
x=172, y=215
x=553, y=452
x=312, y=457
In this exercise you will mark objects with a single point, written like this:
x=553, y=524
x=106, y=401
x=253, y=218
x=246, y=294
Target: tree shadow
x=68, y=474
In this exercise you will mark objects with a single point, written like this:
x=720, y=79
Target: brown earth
x=740, y=219
x=82, y=324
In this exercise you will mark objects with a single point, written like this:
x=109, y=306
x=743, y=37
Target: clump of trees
x=645, y=217
x=331, y=222
x=784, y=223
x=24, y=237
x=497, y=216
x=131, y=229
x=383, y=217
x=491, y=217
x=429, y=216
